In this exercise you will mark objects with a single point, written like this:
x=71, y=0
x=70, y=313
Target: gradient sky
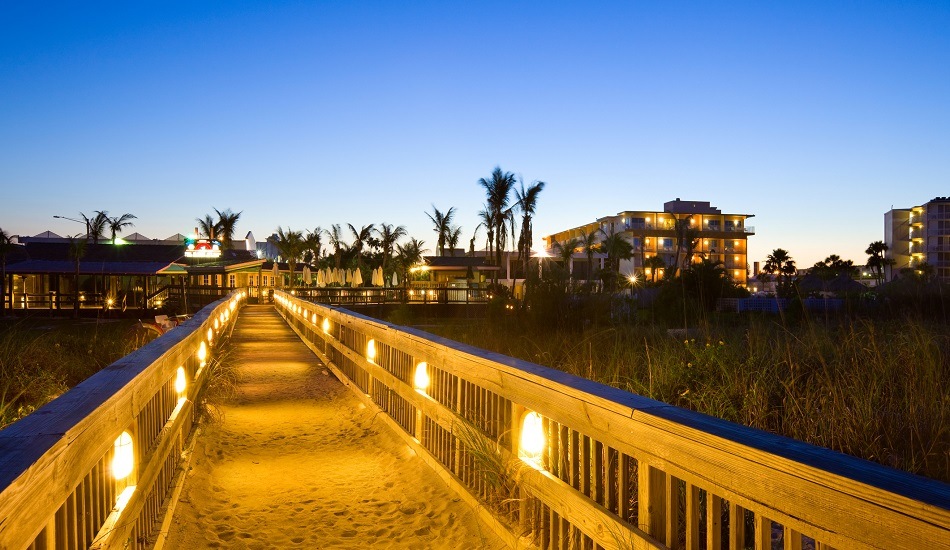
x=817, y=117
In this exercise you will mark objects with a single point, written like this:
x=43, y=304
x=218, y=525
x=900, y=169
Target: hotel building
x=919, y=234
x=719, y=237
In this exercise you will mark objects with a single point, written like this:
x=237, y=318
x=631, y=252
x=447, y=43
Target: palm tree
x=227, y=224
x=876, y=259
x=589, y=246
x=207, y=226
x=654, y=263
x=388, y=235
x=119, y=223
x=335, y=236
x=6, y=246
x=77, y=249
x=96, y=225
x=565, y=252
x=617, y=248
x=313, y=245
x=360, y=239
x=488, y=221
x=685, y=243
x=498, y=190
x=471, y=243
x=441, y=224
x=527, y=202
x=290, y=244
x=452, y=238
x=409, y=255
x=780, y=262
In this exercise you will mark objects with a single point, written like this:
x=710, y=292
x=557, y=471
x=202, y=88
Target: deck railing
x=614, y=470
x=420, y=294
x=93, y=467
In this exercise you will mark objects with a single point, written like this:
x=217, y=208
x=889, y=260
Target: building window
x=232, y=280
x=668, y=244
x=206, y=280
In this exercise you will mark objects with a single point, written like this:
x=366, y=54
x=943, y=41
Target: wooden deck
x=296, y=459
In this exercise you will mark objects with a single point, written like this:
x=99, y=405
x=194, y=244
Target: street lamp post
x=74, y=220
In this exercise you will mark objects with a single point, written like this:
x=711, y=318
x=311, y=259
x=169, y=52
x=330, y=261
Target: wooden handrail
x=618, y=470
x=56, y=486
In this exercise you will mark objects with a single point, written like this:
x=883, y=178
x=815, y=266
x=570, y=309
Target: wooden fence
x=563, y=462
x=93, y=467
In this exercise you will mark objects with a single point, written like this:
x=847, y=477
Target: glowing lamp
x=421, y=378
x=216, y=324
x=532, y=440
x=123, y=459
x=326, y=325
x=371, y=350
x=314, y=318
x=180, y=382
x=202, y=352
x=210, y=334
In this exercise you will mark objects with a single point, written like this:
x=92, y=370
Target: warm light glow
x=632, y=278
x=109, y=302
x=124, y=458
x=216, y=324
x=532, y=441
x=314, y=318
x=180, y=382
x=202, y=352
x=371, y=350
x=326, y=325
x=210, y=334
x=124, y=497
x=421, y=378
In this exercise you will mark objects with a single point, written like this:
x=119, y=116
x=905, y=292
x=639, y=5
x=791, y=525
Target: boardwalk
x=296, y=460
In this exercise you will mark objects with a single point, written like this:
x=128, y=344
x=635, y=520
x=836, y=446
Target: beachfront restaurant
x=43, y=275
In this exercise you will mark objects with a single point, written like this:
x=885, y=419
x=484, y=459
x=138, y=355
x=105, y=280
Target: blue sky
x=817, y=117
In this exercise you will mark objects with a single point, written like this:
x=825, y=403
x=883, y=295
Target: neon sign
x=202, y=248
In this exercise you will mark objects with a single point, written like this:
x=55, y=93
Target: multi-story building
x=919, y=234
x=716, y=236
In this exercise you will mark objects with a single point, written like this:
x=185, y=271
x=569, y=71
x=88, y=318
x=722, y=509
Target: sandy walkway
x=297, y=461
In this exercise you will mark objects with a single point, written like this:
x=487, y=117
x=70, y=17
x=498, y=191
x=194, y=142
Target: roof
x=54, y=257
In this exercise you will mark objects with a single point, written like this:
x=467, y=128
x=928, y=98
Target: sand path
x=296, y=461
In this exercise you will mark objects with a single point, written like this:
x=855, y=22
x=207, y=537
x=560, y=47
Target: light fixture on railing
x=531, y=444
x=123, y=459
x=202, y=352
x=216, y=324
x=210, y=334
x=314, y=318
x=326, y=325
x=421, y=378
x=180, y=382
x=371, y=351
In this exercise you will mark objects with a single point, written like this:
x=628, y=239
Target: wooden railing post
x=652, y=500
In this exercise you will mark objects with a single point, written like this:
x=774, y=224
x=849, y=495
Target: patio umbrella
x=307, y=278
x=377, y=276
x=275, y=273
x=395, y=279
x=320, y=278
x=357, y=277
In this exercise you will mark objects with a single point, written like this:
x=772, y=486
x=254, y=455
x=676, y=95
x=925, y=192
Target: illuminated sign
x=202, y=248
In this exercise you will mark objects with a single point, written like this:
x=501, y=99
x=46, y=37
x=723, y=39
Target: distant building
x=719, y=237
x=919, y=234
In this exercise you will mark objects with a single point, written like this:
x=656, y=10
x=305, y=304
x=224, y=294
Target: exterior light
x=232, y=305
x=180, y=382
x=371, y=351
x=531, y=444
x=123, y=460
x=314, y=318
x=326, y=325
x=202, y=352
x=210, y=334
x=216, y=324
x=421, y=378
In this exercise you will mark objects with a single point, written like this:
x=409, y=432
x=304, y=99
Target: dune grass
x=876, y=390
x=42, y=358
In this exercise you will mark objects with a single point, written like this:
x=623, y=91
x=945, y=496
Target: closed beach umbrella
x=395, y=279
x=357, y=277
x=307, y=278
x=276, y=273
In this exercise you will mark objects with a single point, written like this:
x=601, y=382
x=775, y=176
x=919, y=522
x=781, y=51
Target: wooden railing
x=63, y=480
x=616, y=470
x=419, y=294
